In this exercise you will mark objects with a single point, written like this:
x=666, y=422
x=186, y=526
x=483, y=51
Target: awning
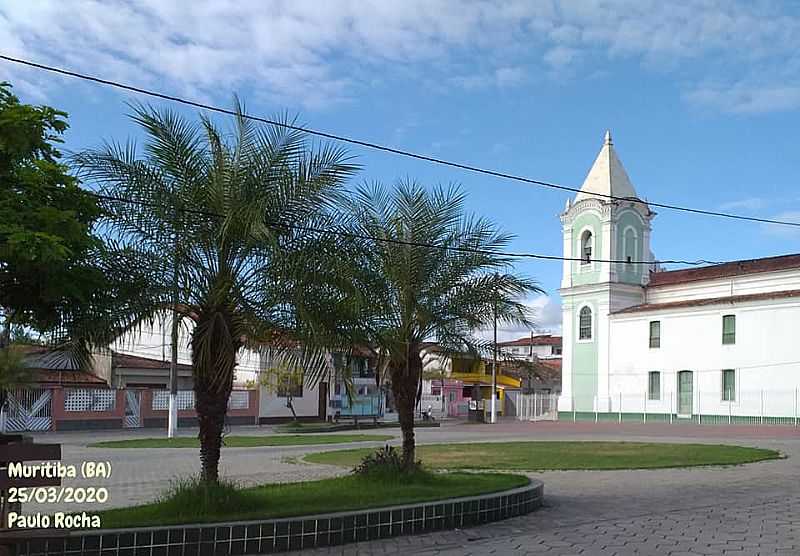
x=503, y=381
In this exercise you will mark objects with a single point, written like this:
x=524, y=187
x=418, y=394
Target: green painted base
x=591, y=416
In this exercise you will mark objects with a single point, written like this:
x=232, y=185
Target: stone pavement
x=747, y=510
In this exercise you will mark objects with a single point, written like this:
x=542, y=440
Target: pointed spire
x=607, y=176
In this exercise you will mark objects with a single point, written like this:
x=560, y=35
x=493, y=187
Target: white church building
x=716, y=343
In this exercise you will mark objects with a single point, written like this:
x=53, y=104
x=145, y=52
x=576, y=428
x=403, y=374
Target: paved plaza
x=748, y=510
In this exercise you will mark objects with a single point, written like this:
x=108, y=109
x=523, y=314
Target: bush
x=384, y=462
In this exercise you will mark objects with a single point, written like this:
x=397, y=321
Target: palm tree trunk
x=404, y=388
x=211, y=408
x=213, y=371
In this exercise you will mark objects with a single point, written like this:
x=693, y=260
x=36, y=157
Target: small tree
x=406, y=292
x=284, y=379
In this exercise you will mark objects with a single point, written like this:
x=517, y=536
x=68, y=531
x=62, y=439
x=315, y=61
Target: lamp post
x=172, y=415
x=494, y=367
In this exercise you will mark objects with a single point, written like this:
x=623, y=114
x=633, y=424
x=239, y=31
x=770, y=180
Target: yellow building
x=472, y=372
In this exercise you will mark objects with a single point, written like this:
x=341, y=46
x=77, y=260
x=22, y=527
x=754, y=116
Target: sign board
x=20, y=482
x=26, y=451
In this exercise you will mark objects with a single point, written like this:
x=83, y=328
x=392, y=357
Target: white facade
x=764, y=355
x=682, y=365
x=152, y=340
x=540, y=352
x=272, y=406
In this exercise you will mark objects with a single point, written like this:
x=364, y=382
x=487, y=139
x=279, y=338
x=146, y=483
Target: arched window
x=630, y=245
x=585, y=324
x=586, y=247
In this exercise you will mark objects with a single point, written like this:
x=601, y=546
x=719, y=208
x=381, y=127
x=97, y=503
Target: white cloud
x=319, y=53
x=743, y=98
x=546, y=316
x=782, y=231
x=560, y=56
x=751, y=203
x=501, y=77
x=508, y=76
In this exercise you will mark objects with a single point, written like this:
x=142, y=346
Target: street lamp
x=494, y=367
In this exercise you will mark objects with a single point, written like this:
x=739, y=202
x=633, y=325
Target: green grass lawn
x=532, y=456
x=244, y=441
x=307, y=498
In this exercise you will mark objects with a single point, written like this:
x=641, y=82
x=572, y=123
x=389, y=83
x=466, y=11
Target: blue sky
x=702, y=97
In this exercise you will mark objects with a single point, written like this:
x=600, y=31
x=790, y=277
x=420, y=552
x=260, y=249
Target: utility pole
x=494, y=367
x=531, y=347
x=172, y=419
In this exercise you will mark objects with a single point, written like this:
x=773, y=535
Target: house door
x=685, y=394
x=133, y=409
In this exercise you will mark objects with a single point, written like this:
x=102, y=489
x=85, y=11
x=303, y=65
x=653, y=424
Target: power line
x=353, y=235
x=384, y=148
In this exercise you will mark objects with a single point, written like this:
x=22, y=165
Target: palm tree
x=408, y=292
x=213, y=217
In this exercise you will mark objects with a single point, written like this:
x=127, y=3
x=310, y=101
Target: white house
x=715, y=343
x=539, y=346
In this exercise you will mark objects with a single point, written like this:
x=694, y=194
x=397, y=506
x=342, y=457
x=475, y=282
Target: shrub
x=386, y=461
x=192, y=496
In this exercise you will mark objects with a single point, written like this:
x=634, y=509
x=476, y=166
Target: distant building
x=541, y=346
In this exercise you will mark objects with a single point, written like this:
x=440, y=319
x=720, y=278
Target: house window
x=655, y=334
x=585, y=324
x=728, y=385
x=452, y=396
x=557, y=350
x=654, y=385
x=729, y=329
x=436, y=391
x=362, y=390
x=586, y=247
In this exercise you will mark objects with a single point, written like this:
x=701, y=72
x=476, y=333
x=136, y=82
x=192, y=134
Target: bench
x=338, y=417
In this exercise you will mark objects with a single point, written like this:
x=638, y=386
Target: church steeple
x=607, y=176
x=605, y=242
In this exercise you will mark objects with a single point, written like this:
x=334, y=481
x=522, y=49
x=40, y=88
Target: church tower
x=607, y=231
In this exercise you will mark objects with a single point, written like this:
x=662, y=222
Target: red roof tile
x=734, y=268
x=66, y=378
x=554, y=364
x=541, y=340
x=136, y=362
x=731, y=299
